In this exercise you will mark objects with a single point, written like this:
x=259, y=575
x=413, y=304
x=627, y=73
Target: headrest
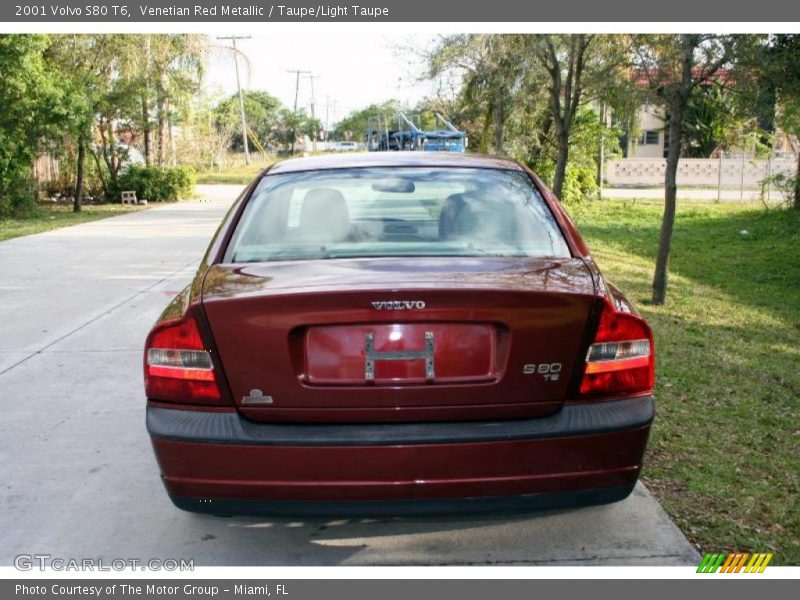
x=324, y=216
x=455, y=219
x=473, y=216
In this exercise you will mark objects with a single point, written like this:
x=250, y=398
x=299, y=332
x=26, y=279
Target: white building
x=651, y=141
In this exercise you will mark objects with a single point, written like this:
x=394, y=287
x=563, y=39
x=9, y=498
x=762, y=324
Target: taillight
x=621, y=359
x=178, y=366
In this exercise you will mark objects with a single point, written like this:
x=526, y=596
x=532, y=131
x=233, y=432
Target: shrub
x=16, y=187
x=157, y=183
x=17, y=197
x=580, y=182
x=19, y=202
x=787, y=185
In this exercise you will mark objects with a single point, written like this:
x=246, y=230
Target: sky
x=353, y=70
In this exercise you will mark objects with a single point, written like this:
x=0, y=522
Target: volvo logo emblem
x=398, y=305
x=256, y=397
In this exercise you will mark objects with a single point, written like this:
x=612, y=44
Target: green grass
x=724, y=454
x=48, y=217
x=240, y=175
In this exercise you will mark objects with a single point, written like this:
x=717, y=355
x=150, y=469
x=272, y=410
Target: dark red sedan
x=398, y=332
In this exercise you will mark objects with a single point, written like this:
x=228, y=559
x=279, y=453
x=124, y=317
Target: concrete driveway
x=78, y=475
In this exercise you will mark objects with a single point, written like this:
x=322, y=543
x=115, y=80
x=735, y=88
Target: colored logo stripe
x=735, y=562
x=758, y=563
x=711, y=562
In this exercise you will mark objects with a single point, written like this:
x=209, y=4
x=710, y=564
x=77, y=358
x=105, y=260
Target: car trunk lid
x=416, y=339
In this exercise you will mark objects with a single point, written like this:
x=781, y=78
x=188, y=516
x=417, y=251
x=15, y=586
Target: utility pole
x=297, y=72
x=313, y=114
x=327, y=120
x=233, y=39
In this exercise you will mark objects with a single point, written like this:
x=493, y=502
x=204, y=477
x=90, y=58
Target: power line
x=233, y=39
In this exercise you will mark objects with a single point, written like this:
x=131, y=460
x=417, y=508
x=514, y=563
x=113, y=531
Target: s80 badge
x=549, y=371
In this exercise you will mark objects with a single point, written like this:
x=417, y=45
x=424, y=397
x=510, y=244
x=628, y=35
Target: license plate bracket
x=427, y=354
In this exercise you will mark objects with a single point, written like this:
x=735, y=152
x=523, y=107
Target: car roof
x=393, y=159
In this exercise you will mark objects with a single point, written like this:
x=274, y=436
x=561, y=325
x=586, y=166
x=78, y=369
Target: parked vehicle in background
x=394, y=332
x=345, y=147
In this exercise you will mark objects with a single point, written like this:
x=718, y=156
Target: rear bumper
x=219, y=462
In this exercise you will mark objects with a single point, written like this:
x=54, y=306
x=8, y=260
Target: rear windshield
x=380, y=212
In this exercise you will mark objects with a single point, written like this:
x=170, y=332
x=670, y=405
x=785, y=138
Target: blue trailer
x=402, y=133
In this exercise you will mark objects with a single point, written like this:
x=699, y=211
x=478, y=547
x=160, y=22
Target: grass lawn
x=243, y=174
x=724, y=454
x=47, y=217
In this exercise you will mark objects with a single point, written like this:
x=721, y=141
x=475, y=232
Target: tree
x=206, y=137
x=157, y=78
x=531, y=90
x=261, y=113
x=121, y=88
x=775, y=66
x=582, y=72
x=86, y=97
x=672, y=67
x=709, y=123
x=29, y=115
x=492, y=73
x=311, y=127
x=88, y=64
x=355, y=125
x=289, y=123
x=564, y=57
x=177, y=68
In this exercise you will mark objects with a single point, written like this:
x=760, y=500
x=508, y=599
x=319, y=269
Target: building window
x=649, y=137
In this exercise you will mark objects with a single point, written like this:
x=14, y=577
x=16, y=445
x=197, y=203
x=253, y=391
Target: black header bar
x=451, y=11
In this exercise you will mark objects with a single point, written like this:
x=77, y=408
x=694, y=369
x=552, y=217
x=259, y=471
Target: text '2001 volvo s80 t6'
x=398, y=332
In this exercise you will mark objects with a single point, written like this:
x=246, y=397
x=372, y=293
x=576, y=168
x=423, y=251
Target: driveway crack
x=95, y=318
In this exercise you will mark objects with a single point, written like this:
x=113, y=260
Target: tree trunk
x=565, y=68
x=100, y=174
x=76, y=203
x=601, y=152
x=111, y=157
x=161, y=121
x=499, y=125
x=148, y=129
x=487, y=119
x=173, y=150
x=541, y=140
x=797, y=184
x=148, y=137
x=162, y=138
x=676, y=101
x=670, y=193
x=561, y=162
